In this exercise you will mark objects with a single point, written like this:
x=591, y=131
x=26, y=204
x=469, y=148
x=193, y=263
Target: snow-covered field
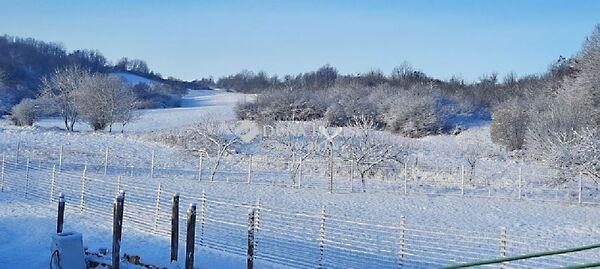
x=25, y=227
x=197, y=103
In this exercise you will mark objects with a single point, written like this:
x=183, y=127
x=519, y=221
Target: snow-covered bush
x=509, y=125
x=415, y=114
x=106, y=100
x=335, y=115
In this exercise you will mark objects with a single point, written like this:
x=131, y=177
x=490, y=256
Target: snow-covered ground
x=194, y=105
x=25, y=227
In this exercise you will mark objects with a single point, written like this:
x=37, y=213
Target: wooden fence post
x=83, y=180
x=2, y=173
x=157, y=208
x=53, y=184
x=60, y=158
x=321, y=239
x=118, y=207
x=249, y=180
x=60, y=219
x=189, y=242
x=26, y=177
x=152, y=165
x=200, y=168
x=503, y=245
x=250, y=254
x=462, y=180
x=402, y=242
x=175, y=227
x=202, y=217
x=106, y=162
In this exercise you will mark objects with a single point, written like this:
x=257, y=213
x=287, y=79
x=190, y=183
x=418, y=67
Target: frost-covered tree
x=474, y=147
x=298, y=142
x=106, y=100
x=61, y=91
x=216, y=137
x=509, y=124
x=367, y=148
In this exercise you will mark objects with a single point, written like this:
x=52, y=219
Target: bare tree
x=368, y=148
x=475, y=147
x=298, y=142
x=217, y=137
x=61, y=91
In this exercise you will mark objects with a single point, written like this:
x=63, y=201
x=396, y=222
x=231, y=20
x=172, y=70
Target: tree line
x=24, y=62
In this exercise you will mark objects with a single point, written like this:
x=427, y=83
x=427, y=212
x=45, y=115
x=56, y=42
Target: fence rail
x=283, y=237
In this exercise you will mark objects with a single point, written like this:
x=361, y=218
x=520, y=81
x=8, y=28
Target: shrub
x=509, y=125
x=25, y=113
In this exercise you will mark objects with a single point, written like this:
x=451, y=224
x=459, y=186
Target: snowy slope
x=133, y=79
x=196, y=104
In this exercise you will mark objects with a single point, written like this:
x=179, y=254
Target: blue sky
x=194, y=39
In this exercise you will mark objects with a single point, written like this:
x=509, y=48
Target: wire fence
x=283, y=237
x=489, y=180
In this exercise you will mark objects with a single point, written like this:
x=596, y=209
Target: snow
x=26, y=231
x=134, y=79
x=196, y=104
x=26, y=226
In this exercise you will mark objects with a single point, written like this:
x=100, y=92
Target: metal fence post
x=60, y=219
x=462, y=180
x=402, y=242
x=503, y=245
x=300, y=174
x=53, y=184
x=580, y=187
x=18, y=153
x=405, y=178
x=83, y=180
x=321, y=239
x=520, y=182
x=152, y=165
x=118, y=207
x=60, y=158
x=257, y=222
x=202, y=216
x=119, y=186
x=106, y=162
x=2, y=173
x=352, y=163
x=26, y=177
x=200, y=169
x=175, y=227
x=157, y=209
x=250, y=253
x=249, y=180
x=190, y=241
